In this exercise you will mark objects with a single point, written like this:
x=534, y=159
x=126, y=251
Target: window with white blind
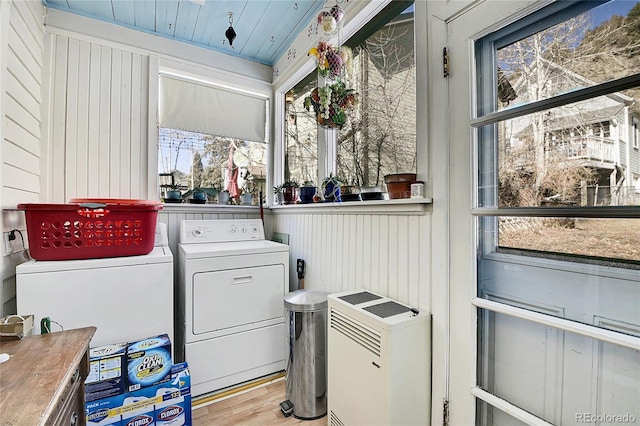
x=211, y=138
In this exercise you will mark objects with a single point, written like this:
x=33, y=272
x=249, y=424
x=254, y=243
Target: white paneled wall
x=98, y=133
x=385, y=253
x=21, y=74
x=21, y=50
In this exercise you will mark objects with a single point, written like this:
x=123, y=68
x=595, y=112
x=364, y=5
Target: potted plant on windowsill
x=173, y=194
x=307, y=192
x=331, y=188
x=277, y=195
x=290, y=191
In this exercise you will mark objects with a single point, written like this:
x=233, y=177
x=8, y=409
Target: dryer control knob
x=198, y=232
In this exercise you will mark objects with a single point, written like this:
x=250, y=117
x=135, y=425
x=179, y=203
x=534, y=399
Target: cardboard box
x=165, y=404
x=15, y=327
x=107, y=372
x=148, y=362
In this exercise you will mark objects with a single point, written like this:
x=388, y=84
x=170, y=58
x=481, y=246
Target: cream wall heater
x=379, y=361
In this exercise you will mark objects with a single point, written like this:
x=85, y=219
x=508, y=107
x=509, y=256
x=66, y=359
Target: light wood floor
x=258, y=407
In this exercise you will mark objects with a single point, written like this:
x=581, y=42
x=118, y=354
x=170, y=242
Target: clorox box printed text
x=107, y=372
x=149, y=362
x=166, y=404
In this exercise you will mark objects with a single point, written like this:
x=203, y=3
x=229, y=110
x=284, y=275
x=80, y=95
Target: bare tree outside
x=549, y=155
x=380, y=138
x=581, y=154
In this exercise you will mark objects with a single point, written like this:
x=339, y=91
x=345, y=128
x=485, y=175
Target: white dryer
x=230, y=302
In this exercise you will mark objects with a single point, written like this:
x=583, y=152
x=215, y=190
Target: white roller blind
x=197, y=107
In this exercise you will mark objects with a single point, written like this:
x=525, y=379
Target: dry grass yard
x=610, y=238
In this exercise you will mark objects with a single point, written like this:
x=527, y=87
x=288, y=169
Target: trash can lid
x=306, y=300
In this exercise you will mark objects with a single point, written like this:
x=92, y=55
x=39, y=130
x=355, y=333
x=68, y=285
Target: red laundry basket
x=91, y=230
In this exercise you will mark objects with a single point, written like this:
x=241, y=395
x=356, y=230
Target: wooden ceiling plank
x=99, y=8
x=221, y=22
x=255, y=21
x=145, y=14
x=166, y=14
x=124, y=12
x=306, y=13
x=186, y=19
x=270, y=25
x=247, y=22
x=204, y=28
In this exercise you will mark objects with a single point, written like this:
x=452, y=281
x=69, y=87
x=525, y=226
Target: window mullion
x=560, y=100
x=613, y=212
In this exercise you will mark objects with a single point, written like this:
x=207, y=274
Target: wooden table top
x=31, y=381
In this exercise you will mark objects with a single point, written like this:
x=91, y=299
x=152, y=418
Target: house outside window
x=379, y=137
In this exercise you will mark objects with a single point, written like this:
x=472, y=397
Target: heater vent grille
x=356, y=331
x=335, y=421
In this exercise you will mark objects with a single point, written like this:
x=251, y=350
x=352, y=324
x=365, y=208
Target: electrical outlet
x=11, y=245
x=7, y=243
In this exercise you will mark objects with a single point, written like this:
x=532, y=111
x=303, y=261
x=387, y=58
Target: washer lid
x=306, y=300
x=157, y=255
x=236, y=248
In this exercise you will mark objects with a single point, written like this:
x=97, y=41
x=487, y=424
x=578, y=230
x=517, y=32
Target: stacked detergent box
x=137, y=384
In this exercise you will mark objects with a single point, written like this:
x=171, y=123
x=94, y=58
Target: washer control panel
x=221, y=230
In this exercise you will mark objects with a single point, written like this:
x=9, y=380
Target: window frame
x=216, y=78
x=486, y=94
x=486, y=243
x=327, y=146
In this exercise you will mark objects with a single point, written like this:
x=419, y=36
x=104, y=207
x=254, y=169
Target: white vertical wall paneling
x=385, y=257
x=124, y=159
x=82, y=131
x=105, y=120
x=138, y=122
x=21, y=101
x=100, y=122
x=153, y=71
x=114, y=124
x=21, y=53
x=56, y=178
x=71, y=121
x=373, y=251
x=93, y=131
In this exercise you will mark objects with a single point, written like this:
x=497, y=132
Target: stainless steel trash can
x=306, y=373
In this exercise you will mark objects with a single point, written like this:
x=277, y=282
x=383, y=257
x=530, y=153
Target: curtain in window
x=198, y=107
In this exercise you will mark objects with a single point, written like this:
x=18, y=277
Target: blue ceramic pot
x=332, y=192
x=307, y=193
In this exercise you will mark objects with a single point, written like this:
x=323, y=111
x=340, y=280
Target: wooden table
x=43, y=381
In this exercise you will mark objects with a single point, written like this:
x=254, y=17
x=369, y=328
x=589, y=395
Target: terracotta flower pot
x=399, y=184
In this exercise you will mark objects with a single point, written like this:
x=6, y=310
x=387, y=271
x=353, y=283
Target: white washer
x=230, y=302
x=126, y=298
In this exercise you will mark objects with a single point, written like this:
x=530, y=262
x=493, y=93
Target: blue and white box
x=107, y=372
x=166, y=404
x=148, y=362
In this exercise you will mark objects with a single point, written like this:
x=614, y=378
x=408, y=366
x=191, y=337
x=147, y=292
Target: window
x=553, y=148
x=189, y=161
x=557, y=218
x=379, y=137
x=636, y=135
x=211, y=138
